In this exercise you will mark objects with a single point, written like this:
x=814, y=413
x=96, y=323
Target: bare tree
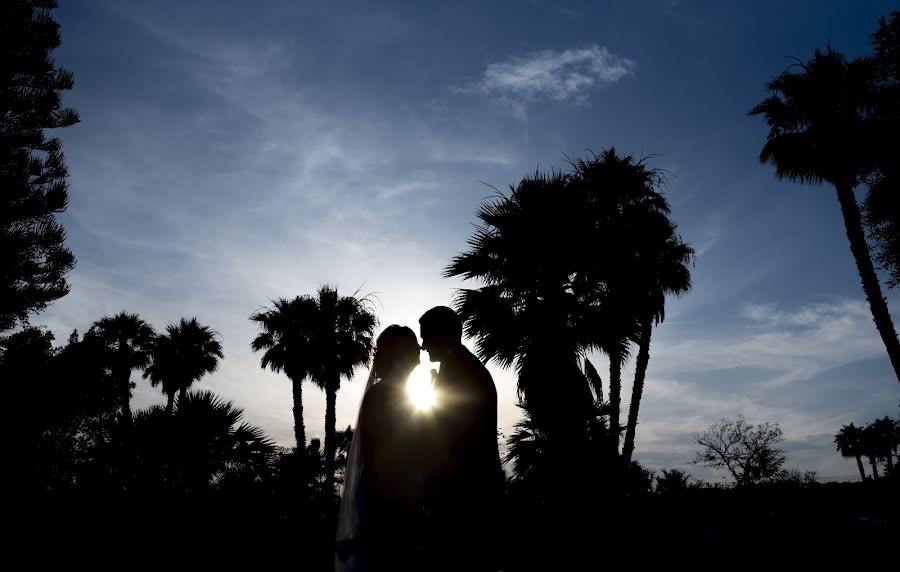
x=745, y=450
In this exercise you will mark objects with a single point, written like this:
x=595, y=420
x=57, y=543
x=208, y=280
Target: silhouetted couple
x=423, y=487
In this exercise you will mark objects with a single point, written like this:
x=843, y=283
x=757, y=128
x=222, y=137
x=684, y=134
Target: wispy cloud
x=569, y=75
x=794, y=345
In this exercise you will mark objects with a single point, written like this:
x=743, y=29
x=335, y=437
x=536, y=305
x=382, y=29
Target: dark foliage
x=33, y=258
x=748, y=452
x=127, y=341
x=181, y=356
x=881, y=208
x=569, y=263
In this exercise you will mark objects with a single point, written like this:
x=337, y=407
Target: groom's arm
x=479, y=418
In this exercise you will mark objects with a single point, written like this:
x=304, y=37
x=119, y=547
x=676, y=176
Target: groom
x=466, y=480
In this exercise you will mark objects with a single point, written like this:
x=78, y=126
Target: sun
x=419, y=387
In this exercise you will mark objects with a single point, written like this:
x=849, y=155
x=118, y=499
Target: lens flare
x=420, y=387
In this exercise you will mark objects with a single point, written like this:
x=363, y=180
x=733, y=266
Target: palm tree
x=215, y=443
x=203, y=442
x=128, y=339
x=661, y=269
x=323, y=338
x=885, y=435
x=627, y=208
x=534, y=456
x=824, y=126
x=598, y=419
x=870, y=440
x=534, y=308
x=526, y=447
x=285, y=339
x=849, y=442
x=181, y=356
x=671, y=482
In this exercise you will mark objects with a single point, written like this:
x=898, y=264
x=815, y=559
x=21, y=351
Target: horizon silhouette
x=289, y=284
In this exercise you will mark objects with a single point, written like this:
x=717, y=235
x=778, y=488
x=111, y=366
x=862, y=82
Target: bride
x=381, y=514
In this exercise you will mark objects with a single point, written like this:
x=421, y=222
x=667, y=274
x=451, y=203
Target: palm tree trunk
x=299, y=428
x=126, y=407
x=640, y=372
x=859, y=465
x=330, y=422
x=170, y=402
x=125, y=383
x=874, y=466
x=871, y=287
x=615, y=397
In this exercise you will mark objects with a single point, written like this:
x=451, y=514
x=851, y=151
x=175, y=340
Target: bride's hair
x=397, y=346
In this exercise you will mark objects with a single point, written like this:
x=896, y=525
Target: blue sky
x=230, y=153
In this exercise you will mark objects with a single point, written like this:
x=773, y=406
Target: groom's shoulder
x=474, y=365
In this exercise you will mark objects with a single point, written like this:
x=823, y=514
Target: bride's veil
x=349, y=513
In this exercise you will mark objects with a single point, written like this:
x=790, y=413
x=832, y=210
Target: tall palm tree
x=324, y=338
x=128, y=340
x=285, y=341
x=870, y=441
x=626, y=206
x=345, y=333
x=181, y=356
x=661, y=269
x=849, y=442
x=824, y=127
x=533, y=309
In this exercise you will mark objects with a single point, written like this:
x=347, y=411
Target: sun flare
x=420, y=388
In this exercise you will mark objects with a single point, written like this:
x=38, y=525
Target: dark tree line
x=77, y=450
x=878, y=441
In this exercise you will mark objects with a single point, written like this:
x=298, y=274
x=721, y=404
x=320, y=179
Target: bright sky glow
x=419, y=387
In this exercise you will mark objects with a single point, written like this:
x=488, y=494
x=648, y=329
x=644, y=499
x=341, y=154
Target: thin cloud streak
x=794, y=345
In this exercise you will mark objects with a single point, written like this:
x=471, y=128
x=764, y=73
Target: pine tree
x=33, y=258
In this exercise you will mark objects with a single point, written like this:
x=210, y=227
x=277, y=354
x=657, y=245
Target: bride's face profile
x=396, y=353
x=405, y=363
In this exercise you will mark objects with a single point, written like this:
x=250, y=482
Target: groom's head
x=441, y=331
